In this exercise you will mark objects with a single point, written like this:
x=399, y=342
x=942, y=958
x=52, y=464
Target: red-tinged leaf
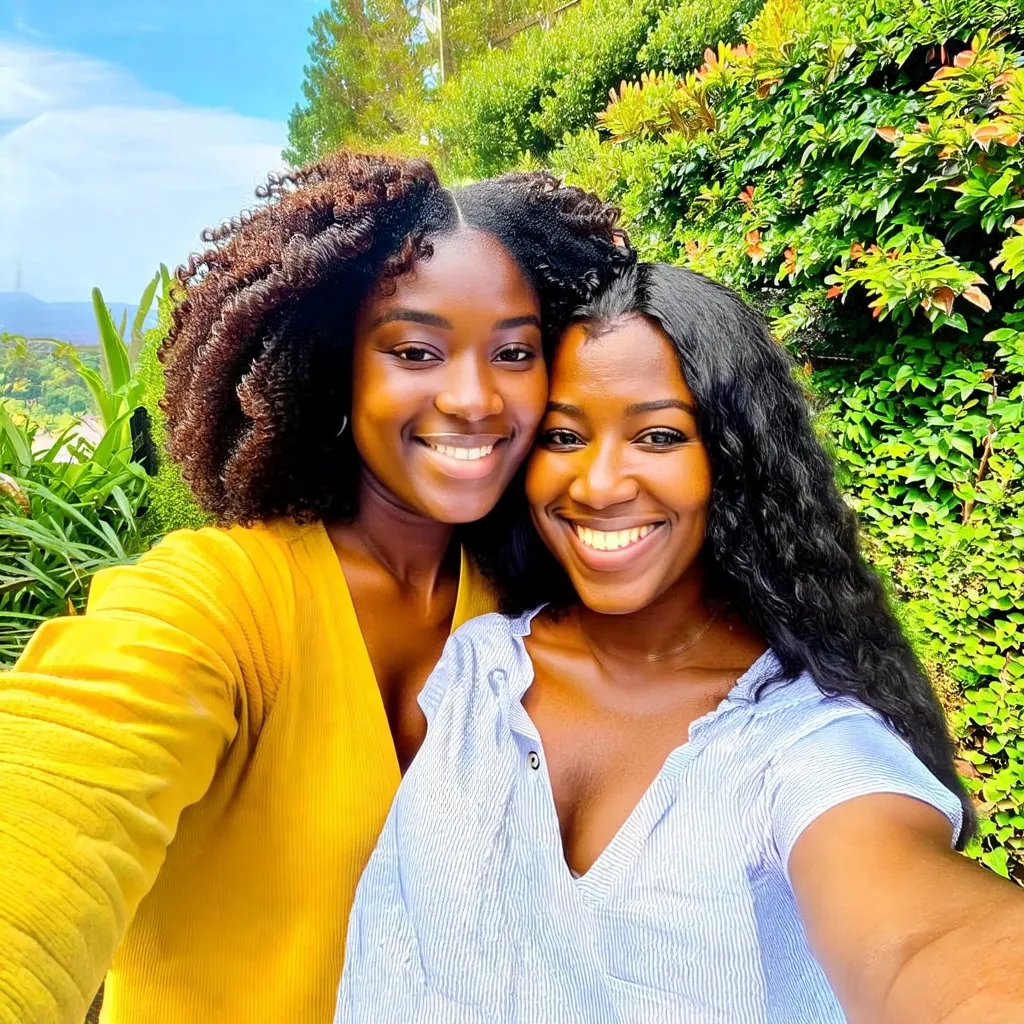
x=892, y=254
x=978, y=297
x=926, y=303
x=835, y=290
x=747, y=197
x=856, y=251
x=710, y=57
x=876, y=310
x=943, y=298
x=1004, y=79
x=985, y=134
x=965, y=58
x=766, y=87
x=753, y=237
x=874, y=250
x=887, y=132
x=947, y=72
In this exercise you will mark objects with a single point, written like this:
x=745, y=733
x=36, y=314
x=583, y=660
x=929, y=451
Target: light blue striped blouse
x=467, y=911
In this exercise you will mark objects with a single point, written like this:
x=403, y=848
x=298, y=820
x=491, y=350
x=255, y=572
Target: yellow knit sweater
x=193, y=774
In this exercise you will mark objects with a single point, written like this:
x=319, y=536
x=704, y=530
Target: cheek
x=525, y=397
x=684, y=486
x=545, y=480
x=381, y=397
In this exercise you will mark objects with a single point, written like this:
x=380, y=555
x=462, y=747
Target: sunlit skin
x=450, y=359
x=888, y=907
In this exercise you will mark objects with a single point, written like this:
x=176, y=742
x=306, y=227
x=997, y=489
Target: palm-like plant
x=73, y=508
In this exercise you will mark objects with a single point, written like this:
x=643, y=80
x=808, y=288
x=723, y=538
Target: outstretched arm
x=111, y=723
x=907, y=930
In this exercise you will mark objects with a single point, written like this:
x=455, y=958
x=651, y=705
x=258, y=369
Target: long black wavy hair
x=781, y=547
x=258, y=362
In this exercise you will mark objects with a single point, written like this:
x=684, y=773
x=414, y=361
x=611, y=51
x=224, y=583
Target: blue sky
x=127, y=127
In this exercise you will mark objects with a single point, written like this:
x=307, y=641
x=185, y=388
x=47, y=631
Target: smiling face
x=449, y=380
x=619, y=482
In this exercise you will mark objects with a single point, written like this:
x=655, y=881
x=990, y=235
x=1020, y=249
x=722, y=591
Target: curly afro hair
x=781, y=547
x=258, y=359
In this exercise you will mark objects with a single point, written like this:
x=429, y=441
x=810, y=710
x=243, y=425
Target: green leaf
x=115, y=353
x=17, y=441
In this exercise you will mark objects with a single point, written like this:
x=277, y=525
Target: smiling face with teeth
x=619, y=482
x=449, y=380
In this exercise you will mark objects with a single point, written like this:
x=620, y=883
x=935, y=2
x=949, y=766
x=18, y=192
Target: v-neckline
x=595, y=882
x=360, y=652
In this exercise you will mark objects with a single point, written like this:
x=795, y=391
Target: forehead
x=468, y=268
x=631, y=361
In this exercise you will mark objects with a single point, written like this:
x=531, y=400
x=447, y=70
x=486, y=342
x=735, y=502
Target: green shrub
x=172, y=506
x=857, y=171
x=683, y=31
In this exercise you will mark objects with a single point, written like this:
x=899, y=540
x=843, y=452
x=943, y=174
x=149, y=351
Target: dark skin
x=889, y=908
x=449, y=383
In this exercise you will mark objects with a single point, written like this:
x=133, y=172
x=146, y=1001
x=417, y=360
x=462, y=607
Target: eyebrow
x=413, y=315
x=631, y=410
x=433, y=320
x=661, y=403
x=562, y=407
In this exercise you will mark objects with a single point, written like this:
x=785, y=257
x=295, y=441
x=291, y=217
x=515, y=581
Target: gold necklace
x=653, y=658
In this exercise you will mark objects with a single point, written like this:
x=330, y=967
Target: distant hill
x=21, y=313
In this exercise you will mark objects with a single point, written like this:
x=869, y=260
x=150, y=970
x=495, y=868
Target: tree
x=374, y=64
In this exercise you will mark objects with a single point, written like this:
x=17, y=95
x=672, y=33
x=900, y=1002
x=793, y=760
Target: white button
x=534, y=760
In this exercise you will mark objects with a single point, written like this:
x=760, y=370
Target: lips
x=610, y=545
x=464, y=456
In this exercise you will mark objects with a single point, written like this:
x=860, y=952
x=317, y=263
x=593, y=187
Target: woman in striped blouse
x=697, y=775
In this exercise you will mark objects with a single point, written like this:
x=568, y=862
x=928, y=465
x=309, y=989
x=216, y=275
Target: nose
x=469, y=392
x=602, y=480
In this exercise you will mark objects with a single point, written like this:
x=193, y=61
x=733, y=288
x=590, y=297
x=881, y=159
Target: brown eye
x=662, y=437
x=416, y=354
x=560, y=439
x=515, y=354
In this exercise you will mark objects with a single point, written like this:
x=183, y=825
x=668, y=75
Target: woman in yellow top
x=194, y=772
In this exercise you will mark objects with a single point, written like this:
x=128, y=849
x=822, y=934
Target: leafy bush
x=65, y=512
x=171, y=504
x=857, y=171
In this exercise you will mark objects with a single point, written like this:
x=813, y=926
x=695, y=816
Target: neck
x=655, y=633
x=410, y=546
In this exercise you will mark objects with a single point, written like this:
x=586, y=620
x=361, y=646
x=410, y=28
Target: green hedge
x=171, y=505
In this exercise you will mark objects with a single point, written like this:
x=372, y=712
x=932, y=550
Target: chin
x=458, y=512
x=621, y=599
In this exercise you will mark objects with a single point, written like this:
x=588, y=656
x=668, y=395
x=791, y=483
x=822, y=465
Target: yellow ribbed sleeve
x=193, y=774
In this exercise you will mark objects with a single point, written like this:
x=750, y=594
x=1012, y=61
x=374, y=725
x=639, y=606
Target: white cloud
x=101, y=180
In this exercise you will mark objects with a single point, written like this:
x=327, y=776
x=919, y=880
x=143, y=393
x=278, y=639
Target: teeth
x=464, y=454
x=611, y=540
